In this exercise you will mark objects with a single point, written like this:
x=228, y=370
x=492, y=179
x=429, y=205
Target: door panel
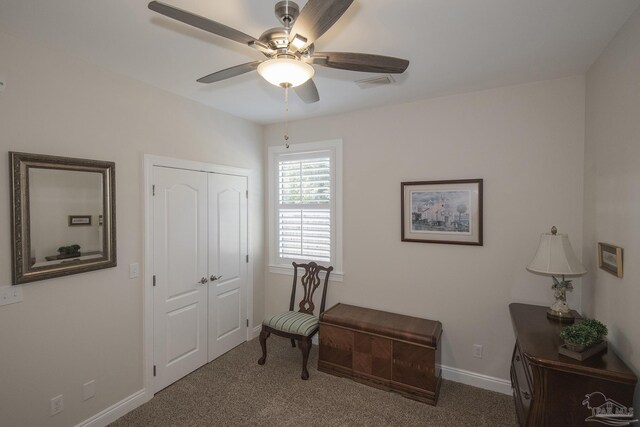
x=227, y=260
x=182, y=332
x=227, y=318
x=183, y=269
x=180, y=262
x=229, y=239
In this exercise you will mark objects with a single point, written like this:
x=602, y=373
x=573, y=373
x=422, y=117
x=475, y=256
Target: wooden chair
x=299, y=325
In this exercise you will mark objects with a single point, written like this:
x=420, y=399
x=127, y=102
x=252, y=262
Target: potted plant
x=583, y=336
x=68, y=251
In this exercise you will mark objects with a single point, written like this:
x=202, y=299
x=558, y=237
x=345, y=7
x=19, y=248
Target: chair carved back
x=310, y=281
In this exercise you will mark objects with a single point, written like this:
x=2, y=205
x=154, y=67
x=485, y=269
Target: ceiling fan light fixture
x=298, y=42
x=285, y=72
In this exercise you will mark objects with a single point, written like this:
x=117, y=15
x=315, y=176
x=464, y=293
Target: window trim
x=274, y=152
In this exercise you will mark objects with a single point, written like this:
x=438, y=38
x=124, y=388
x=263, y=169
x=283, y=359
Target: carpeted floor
x=235, y=391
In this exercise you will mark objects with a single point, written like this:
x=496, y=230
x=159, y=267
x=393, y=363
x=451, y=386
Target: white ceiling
x=453, y=45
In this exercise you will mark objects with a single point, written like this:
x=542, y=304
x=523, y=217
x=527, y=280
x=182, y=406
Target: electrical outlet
x=10, y=294
x=477, y=351
x=57, y=404
x=88, y=390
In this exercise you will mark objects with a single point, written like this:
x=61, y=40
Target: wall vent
x=377, y=81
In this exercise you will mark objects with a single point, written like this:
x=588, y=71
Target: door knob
x=203, y=280
x=214, y=278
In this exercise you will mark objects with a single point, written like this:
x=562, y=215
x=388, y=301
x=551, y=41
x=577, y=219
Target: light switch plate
x=134, y=270
x=10, y=294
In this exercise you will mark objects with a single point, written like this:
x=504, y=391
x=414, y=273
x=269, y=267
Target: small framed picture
x=79, y=220
x=610, y=258
x=447, y=212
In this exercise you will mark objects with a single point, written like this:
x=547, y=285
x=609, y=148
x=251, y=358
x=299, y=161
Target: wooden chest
x=385, y=350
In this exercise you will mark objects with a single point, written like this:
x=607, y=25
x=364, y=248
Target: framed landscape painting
x=442, y=212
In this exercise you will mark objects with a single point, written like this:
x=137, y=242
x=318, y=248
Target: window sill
x=336, y=276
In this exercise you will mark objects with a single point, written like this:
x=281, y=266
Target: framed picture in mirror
x=79, y=220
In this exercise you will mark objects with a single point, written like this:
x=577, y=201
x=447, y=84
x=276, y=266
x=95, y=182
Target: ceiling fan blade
x=316, y=17
x=229, y=72
x=360, y=62
x=201, y=22
x=308, y=92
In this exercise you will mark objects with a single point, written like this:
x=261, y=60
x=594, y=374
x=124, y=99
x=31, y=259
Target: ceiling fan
x=290, y=48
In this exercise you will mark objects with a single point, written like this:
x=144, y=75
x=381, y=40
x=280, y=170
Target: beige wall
x=612, y=190
x=72, y=330
x=526, y=142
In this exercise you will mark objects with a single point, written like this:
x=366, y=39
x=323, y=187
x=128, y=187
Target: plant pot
x=578, y=348
x=586, y=353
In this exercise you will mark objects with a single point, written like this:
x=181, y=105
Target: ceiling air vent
x=377, y=81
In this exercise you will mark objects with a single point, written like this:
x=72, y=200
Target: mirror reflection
x=66, y=216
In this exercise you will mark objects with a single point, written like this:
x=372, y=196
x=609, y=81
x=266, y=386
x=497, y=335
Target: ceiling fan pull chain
x=286, y=116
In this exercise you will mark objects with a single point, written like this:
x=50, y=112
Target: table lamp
x=555, y=257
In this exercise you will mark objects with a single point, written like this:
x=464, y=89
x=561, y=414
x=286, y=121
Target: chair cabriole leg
x=263, y=343
x=305, y=346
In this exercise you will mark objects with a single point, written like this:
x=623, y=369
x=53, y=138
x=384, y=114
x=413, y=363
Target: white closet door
x=180, y=264
x=227, y=263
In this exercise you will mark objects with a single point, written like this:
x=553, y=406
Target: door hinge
x=153, y=190
x=247, y=258
x=154, y=280
x=247, y=323
x=247, y=193
x=154, y=370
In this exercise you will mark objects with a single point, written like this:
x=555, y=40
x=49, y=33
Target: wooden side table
x=554, y=390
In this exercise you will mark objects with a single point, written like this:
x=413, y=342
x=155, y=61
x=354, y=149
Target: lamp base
x=561, y=317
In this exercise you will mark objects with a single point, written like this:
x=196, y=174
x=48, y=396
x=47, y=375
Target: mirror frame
x=20, y=163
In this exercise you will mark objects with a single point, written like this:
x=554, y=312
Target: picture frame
x=610, y=259
x=447, y=212
x=79, y=220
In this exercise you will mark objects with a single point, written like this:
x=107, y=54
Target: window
x=305, y=206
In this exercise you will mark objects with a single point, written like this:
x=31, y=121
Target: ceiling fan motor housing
x=276, y=38
x=287, y=12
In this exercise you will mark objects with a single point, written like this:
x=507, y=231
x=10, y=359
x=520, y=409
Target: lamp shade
x=285, y=72
x=555, y=257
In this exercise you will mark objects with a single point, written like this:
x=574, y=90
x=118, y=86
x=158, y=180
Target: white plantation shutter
x=304, y=205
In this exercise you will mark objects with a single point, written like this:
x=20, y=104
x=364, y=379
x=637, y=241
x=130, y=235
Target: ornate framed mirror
x=63, y=216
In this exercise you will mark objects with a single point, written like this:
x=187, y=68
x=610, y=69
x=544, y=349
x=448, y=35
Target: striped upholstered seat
x=293, y=322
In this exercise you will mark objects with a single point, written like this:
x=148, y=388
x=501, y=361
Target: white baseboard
x=117, y=410
x=476, y=380
x=256, y=332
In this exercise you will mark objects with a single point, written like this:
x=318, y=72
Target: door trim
x=149, y=161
